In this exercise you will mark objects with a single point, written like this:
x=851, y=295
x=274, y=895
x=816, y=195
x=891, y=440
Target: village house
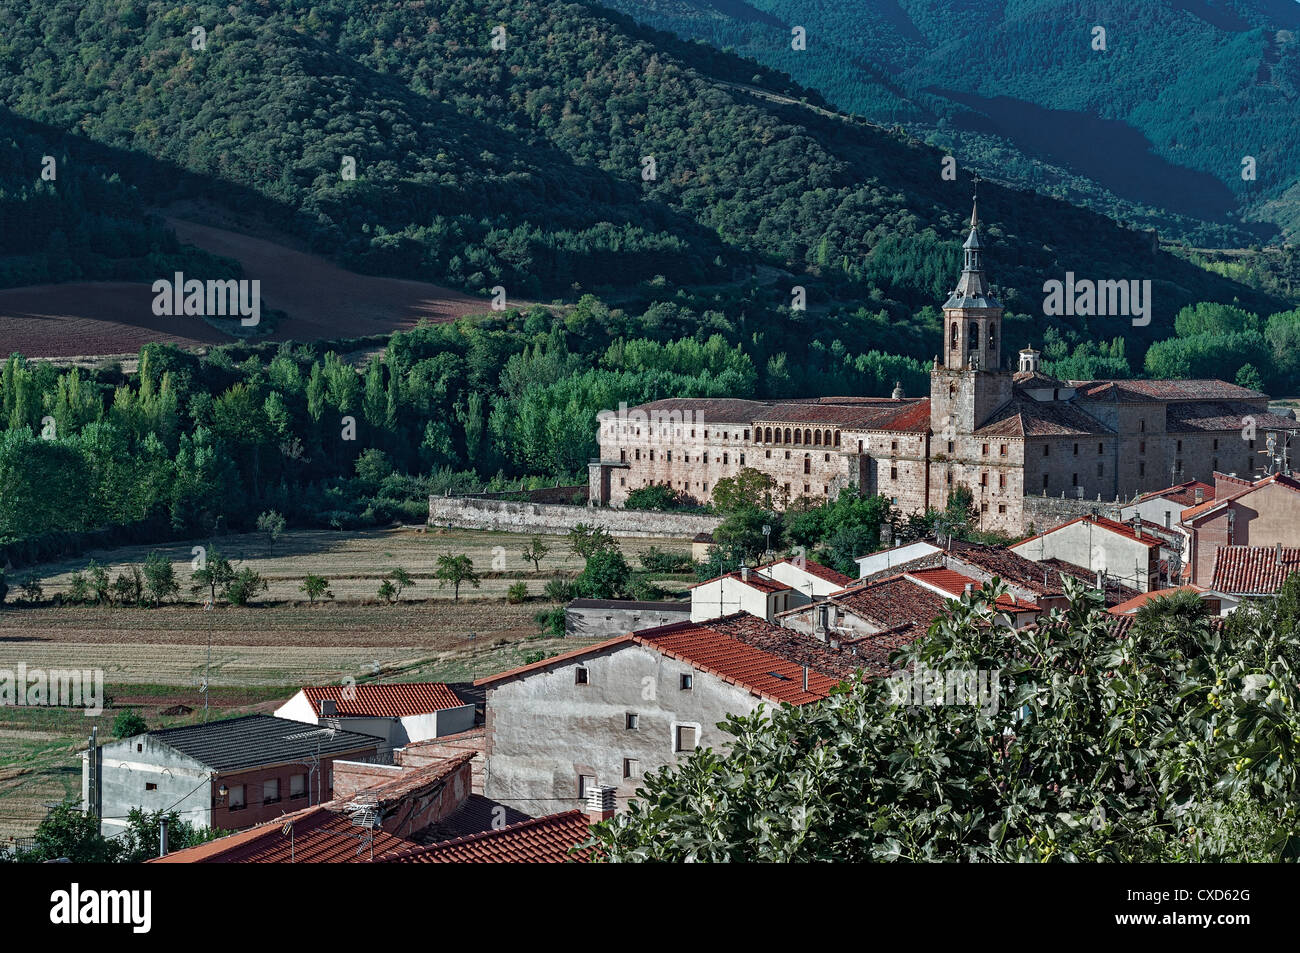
x=1016, y=437
x=1255, y=514
x=606, y=618
x=227, y=774
x=1253, y=572
x=1100, y=545
x=765, y=590
x=609, y=713
x=399, y=713
x=1216, y=603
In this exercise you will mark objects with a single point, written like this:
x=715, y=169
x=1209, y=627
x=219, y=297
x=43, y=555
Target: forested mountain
x=523, y=166
x=1153, y=128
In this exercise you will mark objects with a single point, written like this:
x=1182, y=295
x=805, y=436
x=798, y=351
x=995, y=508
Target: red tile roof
x=892, y=602
x=816, y=569
x=1138, y=601
x=1153, y=391
x=1183, y=493
x=385, y=701
x=540, y=840
x=1247, y=488
x=755, y=581
x=1101, y=522
x=1219, y=417
x=727, y=649
x=905, y=415
x=954, y=583
x=320, y=836
x=1011, y=568
x=1023, y=417
x=1253, y=570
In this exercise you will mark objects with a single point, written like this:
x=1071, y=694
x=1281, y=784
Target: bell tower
x=970, y=383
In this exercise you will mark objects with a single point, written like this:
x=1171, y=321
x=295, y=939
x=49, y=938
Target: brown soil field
x=320, y=299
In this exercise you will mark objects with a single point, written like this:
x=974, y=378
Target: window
x=950, y=446
x=236, y=797
x=580, y=675
x=893, y=473
x=984, y=479
x=1142, y=446
x=686, y=738
x=1101, y=448
x=1047, y=449
x=297, y=785
x=826, y=458
x=1002, y=507
x=742, y=459
x=1074, y=479
x=726, y=458
x=746, y=435
x=633, y=721
x=638, y=454
x=893, y=445
x=1142, y=469
x=768, y=454
x=1142, y=425
x=807, y=463
x=1044, y=481
x=807, y=488
x=1002, y=450
x=271, y=791
x=1002, y=480
x=631, y=768
x=1216, y=444
x=1076, y=449
x=1099, y=468
x=984, y=449
x=787, y=454
x=1179, y=447
x=150, y=786
x=687, y=681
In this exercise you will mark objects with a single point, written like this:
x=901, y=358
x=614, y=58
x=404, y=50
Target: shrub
x=560, y=590
x=241, y=590
x=517, y=593
x=128, y=723
x=655, y=559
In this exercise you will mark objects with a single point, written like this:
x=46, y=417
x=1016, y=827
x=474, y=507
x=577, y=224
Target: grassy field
x=356, y=562
x=254, y=658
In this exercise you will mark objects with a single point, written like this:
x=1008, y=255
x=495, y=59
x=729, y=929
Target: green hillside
x=1153, y=129
x=523, y=166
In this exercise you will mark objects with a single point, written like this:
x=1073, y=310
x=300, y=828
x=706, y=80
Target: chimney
x=328, y=708
x=805, y=678
x=1137, y=526
x=600, y=803
x=162, y=836
x=970, y=587
x=744, y=574
x=1100, y=585
x=1200, y=494
x=1277, y=554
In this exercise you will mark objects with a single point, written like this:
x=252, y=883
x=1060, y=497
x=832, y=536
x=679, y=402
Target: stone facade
x=1010, y=437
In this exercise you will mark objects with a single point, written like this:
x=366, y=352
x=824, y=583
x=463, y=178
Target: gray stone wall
x=474, y=513
x=1044, y=512
x=609, y=621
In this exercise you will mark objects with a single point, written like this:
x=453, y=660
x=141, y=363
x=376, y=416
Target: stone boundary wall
x=474, y=513
x=1044, y=512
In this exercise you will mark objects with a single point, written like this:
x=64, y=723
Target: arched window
x=767, y=434
x=993, y=339
x=798, y=436
x=807, y=436
x=952, y=391
x=954, y=334
x=817, y=438
x=837, y=438
x=787, y=434
x=973, y=339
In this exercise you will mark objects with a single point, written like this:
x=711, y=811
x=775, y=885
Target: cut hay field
x=355, y=562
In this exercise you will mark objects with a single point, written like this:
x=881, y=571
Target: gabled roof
x=825, y=573
x=1246, y=488
x=1138, y=601
x=1115, y=592
x=1102, y=523
x=236, y=744
x=320, y=836
x=954, y=583
x=1218, y=417
x=756, y=580
x=1253, y=570
x=539, y=840
x=384, y=701
x=1181, y=493
x=729, y=648
x=1143, y=391
x=1011, y=568
x=1024, y=417
x=892, y=602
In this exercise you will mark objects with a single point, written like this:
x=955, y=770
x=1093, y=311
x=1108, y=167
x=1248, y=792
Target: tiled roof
x=815, y=569
x=539, y=840
x=954, y=583
x=1218, y=416
x=1153, y=391
x=1183, y=494
x=859, y=416
x=1101, y=522
x=756, y=580
x=905, y=415
x=1036, y=380
x=1138, y=601
x=412, y=781
x=1253, y=570
x=741, y=649
x=1115, y=592
x=236, y=744
x=475, y=815
x=677, y=605
x=1023, y=417
x=715, y=410
x=1246, y=488
x=385, y=701
x=1008, y=566
x=320, y=836
x=892, y=602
